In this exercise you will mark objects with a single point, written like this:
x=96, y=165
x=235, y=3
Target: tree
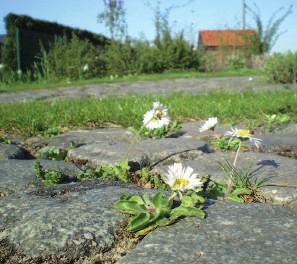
x=267, y=36
x=114, y=19
x=161, y=19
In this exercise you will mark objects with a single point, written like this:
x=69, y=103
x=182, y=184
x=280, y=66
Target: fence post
x=18, y=49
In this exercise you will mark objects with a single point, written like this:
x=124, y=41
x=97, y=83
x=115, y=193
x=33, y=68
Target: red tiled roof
x=213, y=38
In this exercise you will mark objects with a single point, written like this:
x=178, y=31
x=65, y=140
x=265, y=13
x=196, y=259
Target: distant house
x=229, y=41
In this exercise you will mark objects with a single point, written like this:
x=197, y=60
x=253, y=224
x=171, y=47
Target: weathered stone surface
x=283, y=140
x=76, y=222
x=143, y=153
x=18, y=175
x=279, y=142
x=231, y=233
x=279, y=171
x=78, y=138
x=11, y=151
x=199, y=85
x=288, y=129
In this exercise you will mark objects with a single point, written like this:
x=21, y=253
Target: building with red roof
x=225, y=48
x=211, y=40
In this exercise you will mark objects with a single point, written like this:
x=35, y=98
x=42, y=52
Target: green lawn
x=28, y=86
x=247, y=108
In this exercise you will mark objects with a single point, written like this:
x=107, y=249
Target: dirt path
x=144, y=87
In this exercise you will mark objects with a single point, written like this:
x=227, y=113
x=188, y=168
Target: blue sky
x=200, y=14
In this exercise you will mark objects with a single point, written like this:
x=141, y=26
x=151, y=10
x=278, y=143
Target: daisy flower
x=209, y=124
x=243, y=134
x=182, y=179
x=157, y=117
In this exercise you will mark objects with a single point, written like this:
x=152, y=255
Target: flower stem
x=132, y=143
x=233, y=172
x=133, y=140
x=172, y=196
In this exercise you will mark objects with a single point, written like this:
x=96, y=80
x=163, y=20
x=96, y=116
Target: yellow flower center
x=243, y=133
x=180, y=183
x=154, y=120
x=159, y=114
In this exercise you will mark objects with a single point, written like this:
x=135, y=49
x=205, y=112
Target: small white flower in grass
x=209, y=124
x=86, y=67
x=243, y=134
x=182, y=179
x=157, y=117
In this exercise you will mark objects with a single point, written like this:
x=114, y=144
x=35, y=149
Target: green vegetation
x=105, y=172
x=146, y=178
x=267, y=35
x=276, y=119
x=48, y=177
x=10, y=85
x=32, y=33
x=242, y=184
x=282, y=68
x=225, y=143
x=217, y=190
x=157, y=132
x=5, y=140
x=52, y=153
x=150, y=212
x=229, y=107
x=75, y=60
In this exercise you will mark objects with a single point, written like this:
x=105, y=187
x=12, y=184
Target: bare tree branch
x=267, y=37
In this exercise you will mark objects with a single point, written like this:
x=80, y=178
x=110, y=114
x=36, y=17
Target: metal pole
x=18, y=49
x=243, y=14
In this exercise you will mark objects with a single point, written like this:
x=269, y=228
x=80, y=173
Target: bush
x=69, y=59
x=32, y=32
x=282, y=68
x=236, y=62
x=139, y=56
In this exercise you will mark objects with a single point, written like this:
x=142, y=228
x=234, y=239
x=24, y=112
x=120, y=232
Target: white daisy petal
x=157, y=117
x=209, y=124
x=182, y=179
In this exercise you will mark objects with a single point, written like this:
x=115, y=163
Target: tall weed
x=282, y=68
x=68, y=59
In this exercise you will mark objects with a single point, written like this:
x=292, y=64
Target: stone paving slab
x=279, y=142
x=144, y=153
x=281, y=172
x=11, y=151
x=287, y=129
x=78, y=138
x=231, y=233
x=283, y=139
x=18, y=175
x=74, y=224
x=283, y=136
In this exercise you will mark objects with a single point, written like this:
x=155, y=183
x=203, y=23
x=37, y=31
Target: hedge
x=33, y=32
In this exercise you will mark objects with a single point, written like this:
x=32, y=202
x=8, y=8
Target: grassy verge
x=28, y=86
x=32, y=118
